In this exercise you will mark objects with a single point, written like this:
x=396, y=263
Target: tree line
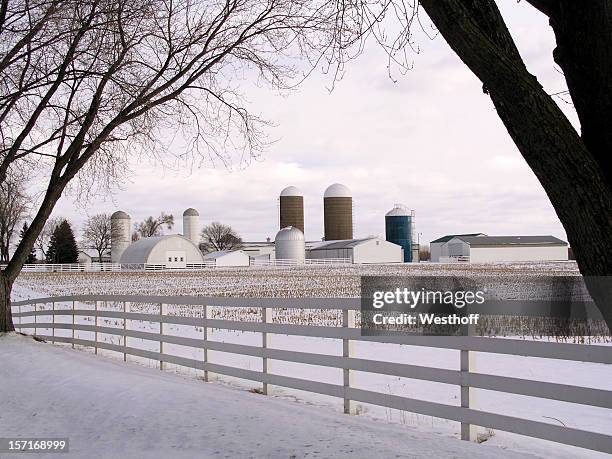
x=57, y=242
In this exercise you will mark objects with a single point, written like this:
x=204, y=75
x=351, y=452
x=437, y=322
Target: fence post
x=96, y=327
x=35, y=320
x=468, y=431
x=348, y=322
x=53, y=323
x=205, y=336
x=72, y=324
x=161, y=332
x=266, y=318
x=125, y=308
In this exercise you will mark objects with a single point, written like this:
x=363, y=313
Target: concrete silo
x=289, y=244
x=292, y=208
x=121, y=234
x=191, y=225
x=399, y=229
x=338, y=213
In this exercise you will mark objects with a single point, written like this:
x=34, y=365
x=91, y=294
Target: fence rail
x=27, y=314
x=104, y=267
x=455, y=259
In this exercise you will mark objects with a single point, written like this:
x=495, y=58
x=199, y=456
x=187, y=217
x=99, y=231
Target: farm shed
x=368, y=250
x=226, y=258
x=486, y=249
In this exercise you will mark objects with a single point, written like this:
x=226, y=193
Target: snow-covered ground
x=109, y=409
x=344, y=281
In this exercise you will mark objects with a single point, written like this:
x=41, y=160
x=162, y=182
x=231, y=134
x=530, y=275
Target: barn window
x=169, y=258
x=181, y=258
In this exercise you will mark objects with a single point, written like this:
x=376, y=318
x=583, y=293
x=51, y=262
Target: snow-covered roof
x=291, y=191
x=139, y=251
x=343, y=244
x=191, y=212
x=399, y=211
x=120, y=215
x=337, y=190
x=476, y=241
x=221, y=253
x=290, y=233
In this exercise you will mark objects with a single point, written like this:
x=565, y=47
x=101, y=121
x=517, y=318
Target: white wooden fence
x=26, y=315
x=102, y=267
x=455, y=259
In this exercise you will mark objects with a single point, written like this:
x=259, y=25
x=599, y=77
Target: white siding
x=436, y=251
x=518, y=253
x=377, y=251
x=174, y=247
x=237, y=258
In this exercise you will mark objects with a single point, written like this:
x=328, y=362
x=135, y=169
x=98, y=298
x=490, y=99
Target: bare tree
x=13, y=209
x=150, y=226
x=424, y=253
x=88, y=84
x=217, y=236
x=97, y=234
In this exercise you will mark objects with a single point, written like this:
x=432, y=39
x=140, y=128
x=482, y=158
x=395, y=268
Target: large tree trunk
x=6, y=318
x=12, y=270
x=574, y=180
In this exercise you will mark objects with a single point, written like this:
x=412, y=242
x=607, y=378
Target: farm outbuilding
x=173, y=251
x=368, y=250
x=227, y=258
x=479, y=248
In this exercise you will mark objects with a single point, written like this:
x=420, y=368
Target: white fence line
x=104, y=267
x=307, y=261
x=465, y=378
x=455, y=259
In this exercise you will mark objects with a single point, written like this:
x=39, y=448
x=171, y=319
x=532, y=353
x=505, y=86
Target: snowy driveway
x=109, y=409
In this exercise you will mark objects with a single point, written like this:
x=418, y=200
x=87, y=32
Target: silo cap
x=337, y=190
x=120, y=215
x=191, y=212
x=399, y=211
x=290, y=233
x=291, y=191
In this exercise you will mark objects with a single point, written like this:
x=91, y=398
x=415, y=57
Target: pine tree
x=62, y=246
x=32, y=255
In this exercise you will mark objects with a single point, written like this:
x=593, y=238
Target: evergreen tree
x=32, y=256
x=62, y=246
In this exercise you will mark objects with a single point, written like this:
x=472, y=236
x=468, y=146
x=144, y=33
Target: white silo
x=121, y=234
x=191, y=225
x=289, y=244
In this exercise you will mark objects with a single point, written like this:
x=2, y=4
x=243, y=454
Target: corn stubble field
x=256, y=282
x=295, y=282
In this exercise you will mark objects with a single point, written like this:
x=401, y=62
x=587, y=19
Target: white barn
x=480, y=248
x=226, y=258
x=368, y=250
x=172, y=251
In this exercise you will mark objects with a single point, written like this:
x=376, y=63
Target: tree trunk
x=573, y=179
x=6, y=318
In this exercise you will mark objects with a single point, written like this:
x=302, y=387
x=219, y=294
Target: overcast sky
x=431, y=140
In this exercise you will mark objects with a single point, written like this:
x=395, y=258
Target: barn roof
x=448, y=237
x=139, y=251
x=220, y=253
x=343, y=244
x=476, y=241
